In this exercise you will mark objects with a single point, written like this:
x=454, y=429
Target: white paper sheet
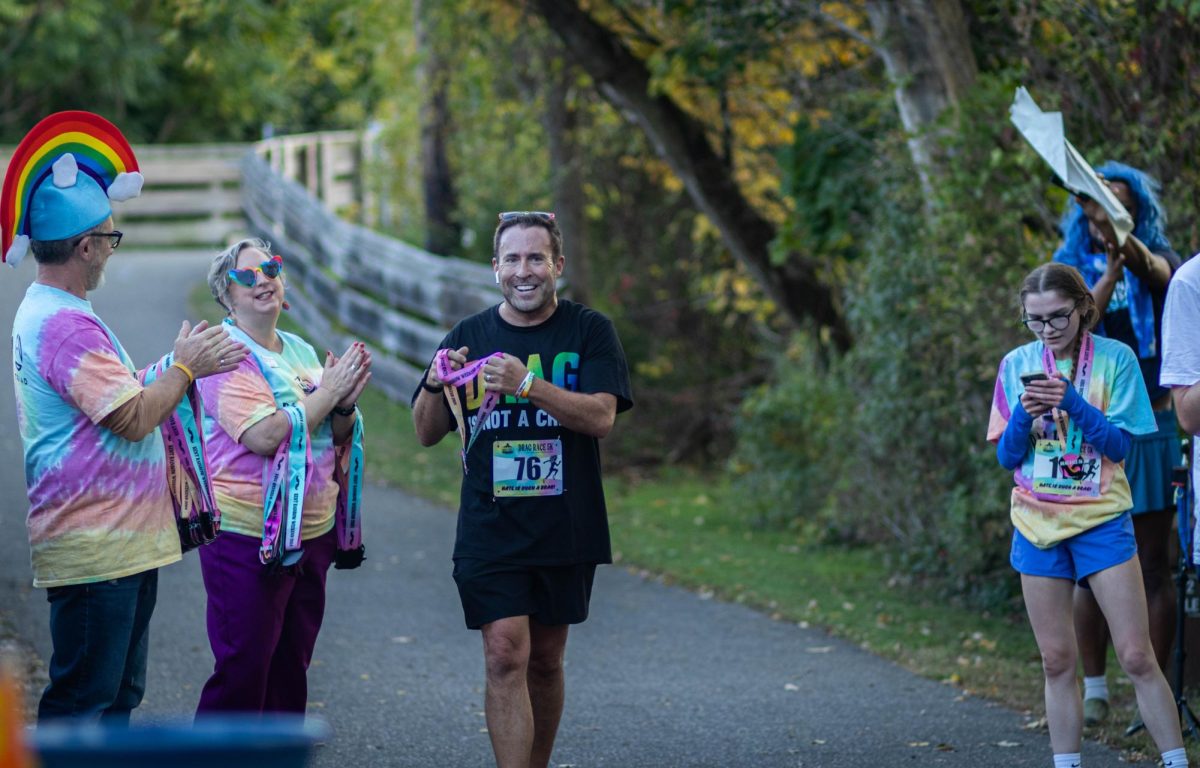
x=1044, y=132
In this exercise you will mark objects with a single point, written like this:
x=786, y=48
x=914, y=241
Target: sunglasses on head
x=248, y=276
x=507, y=215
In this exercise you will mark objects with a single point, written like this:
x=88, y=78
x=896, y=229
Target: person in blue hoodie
x=1129, y=284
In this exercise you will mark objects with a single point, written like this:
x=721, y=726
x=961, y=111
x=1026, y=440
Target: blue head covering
x=1079, y=251
x=68, y=204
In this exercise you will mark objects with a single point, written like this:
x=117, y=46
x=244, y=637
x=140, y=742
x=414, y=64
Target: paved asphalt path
x=657, y=677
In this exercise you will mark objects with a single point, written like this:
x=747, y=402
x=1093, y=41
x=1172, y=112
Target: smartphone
x=1026, y=378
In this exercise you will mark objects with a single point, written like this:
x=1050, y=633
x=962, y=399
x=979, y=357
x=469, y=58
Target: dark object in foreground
x=277, y=741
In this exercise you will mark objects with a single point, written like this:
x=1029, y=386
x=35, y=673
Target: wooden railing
x=346, y=281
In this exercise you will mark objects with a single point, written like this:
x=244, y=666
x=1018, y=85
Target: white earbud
x=497, y=274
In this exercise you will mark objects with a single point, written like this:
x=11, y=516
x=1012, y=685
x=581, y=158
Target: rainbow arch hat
x=61, y=179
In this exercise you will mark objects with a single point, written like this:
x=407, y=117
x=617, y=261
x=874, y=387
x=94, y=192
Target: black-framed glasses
x=114, y=237
x=249, y=276
x=508, y=215
x=1057, y=322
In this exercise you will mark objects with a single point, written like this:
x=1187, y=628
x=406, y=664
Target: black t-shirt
x=576, y=349
x=1117, y=324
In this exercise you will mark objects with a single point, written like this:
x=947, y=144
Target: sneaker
x=1095, y=711
x=1135, y=725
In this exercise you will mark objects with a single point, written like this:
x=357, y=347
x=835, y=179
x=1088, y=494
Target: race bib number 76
x=527, y=468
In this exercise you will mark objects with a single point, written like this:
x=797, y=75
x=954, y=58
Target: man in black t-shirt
x=1129, y=284
x=532, y=524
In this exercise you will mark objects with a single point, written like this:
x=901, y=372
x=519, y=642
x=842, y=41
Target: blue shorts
x=1148, y=465
x=1080, y=556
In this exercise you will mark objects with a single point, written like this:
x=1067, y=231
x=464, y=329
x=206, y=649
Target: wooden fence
x=346, y=281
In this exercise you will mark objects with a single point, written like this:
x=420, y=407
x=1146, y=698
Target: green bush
x=887, y=444
x=788, y=465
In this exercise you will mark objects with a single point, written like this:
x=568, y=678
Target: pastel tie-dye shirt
x=1116, y=388
x=99, y=507
x=236, y=401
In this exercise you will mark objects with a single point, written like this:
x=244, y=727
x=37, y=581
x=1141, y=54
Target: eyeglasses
x=1057, y=322
x=509, y=215
x=114, y=237
x=249, y=276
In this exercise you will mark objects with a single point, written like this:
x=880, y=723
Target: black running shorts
x=550, y=595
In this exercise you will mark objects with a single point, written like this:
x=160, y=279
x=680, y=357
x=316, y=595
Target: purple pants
x=262, y=625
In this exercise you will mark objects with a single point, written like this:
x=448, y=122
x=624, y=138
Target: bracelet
x=186, y=371
x=425, y=385
x=526, y=385
x=345, y=411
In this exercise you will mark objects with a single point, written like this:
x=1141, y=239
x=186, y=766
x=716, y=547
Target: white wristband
x=526, y=385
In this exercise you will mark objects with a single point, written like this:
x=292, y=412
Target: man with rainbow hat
x=101, y=515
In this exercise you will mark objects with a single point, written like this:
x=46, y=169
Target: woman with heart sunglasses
x=283, y=419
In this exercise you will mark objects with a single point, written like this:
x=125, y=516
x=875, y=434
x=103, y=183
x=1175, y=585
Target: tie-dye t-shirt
x=236, y=401
x=1115, y=388
x=99, y=507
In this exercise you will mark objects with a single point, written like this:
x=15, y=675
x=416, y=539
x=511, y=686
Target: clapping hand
x=347, y=376
x=207, y=350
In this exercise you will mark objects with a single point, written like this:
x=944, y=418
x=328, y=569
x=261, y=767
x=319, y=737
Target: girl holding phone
x=1065, y=438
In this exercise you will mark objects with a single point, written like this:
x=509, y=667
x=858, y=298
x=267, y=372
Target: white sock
x=1176, y=758
x=1070, y=760
x=1095, y=687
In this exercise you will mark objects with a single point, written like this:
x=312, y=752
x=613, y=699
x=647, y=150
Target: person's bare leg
x=1048, y=602
x=548, y=643
x=1122, y=597
x=510, y=722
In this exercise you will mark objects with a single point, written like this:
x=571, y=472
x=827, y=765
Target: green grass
x=688, y=530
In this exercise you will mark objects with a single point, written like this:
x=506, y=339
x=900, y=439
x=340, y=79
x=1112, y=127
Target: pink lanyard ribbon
x=451, y=380
x=285, y=480
x=1069, y=436
x=196, y=514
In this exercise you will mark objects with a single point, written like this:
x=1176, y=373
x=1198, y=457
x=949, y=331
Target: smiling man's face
x=528, y=273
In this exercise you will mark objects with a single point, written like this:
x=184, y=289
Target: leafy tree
x=185, y=70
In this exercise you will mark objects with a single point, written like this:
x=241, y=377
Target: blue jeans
x=101, y=635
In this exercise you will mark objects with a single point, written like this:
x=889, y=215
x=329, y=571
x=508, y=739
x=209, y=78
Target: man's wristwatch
x=425, y=385
x=344, y=411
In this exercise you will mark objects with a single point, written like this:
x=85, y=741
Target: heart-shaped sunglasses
x=248, y=276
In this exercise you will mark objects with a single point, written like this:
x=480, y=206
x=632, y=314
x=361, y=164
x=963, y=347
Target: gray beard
x=95, y=281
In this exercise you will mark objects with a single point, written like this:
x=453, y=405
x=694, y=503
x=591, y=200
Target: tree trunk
x=681, y=140
x=442, y=233
x=559, y=120
x=926, y=50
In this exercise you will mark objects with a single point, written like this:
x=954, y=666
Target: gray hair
x=218, y=271
x=58, y=251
